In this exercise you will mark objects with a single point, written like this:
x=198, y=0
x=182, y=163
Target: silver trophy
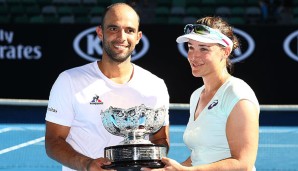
x=134, y=124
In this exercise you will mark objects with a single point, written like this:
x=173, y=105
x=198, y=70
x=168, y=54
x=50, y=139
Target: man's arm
x=58, y=149
x=161, y=137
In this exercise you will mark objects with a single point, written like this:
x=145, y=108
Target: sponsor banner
x=32, y=56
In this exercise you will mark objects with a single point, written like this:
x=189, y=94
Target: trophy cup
x=134, y=124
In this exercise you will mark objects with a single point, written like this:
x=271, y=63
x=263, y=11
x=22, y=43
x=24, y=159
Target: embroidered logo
x=96, y=100
x=214, y=103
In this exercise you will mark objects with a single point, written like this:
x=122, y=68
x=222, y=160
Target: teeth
x=120, y=47
x=197, y=65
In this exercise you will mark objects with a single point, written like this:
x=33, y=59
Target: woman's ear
x=227, y=52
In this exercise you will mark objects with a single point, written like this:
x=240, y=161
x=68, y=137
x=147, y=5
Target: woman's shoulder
x=239, y=89
x=239, y=84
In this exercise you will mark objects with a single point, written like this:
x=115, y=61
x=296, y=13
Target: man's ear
x=99, y=32
x=139, y=36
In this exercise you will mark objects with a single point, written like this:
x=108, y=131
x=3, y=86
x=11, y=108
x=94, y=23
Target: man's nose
x=122, y=35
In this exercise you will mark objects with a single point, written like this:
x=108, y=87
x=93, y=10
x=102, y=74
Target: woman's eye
x=204, y=49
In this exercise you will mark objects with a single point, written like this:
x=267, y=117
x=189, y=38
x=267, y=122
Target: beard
x=116, y=56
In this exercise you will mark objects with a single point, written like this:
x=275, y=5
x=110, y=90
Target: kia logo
x=88, y=46
x=287, y=43
x=238, y=54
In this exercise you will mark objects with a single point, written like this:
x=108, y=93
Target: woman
x=223, y=127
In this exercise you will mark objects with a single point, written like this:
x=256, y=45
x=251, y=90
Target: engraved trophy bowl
x=134, y=124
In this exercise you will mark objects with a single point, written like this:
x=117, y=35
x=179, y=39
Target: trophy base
x=134, y=165
x=132, y=157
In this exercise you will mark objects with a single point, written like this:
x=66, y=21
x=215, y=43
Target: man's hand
x=96, y=164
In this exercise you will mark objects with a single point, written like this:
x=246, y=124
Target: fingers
x=149, y=169
x=103, y=161
x=166, y=160
x=145, y=169
x=97, y=164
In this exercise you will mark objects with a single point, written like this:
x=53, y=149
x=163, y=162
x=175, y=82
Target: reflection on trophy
x=134, y=124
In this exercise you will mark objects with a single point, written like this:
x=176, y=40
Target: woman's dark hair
x=221, y=25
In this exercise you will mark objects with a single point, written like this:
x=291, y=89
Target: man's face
x=120, y=33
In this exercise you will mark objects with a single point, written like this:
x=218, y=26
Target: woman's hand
x=170, y=165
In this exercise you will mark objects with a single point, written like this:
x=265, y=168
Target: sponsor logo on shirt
x=52, y=109
x=96, y=100
x=213, y=104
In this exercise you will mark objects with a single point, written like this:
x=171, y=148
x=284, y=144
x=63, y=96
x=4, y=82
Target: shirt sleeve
x=236, y=92
x=60, y=109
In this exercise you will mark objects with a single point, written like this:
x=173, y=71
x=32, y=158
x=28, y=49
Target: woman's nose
x=191, y=57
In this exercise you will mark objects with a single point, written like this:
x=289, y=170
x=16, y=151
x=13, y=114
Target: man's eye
x=131, y=31
x=113, y=29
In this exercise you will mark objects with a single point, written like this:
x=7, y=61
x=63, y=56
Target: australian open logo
x=88, y=46
x=239, y=54
x=95, y=100
x=290, y=45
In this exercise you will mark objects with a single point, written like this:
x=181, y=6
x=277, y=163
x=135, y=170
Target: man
x=75, y=135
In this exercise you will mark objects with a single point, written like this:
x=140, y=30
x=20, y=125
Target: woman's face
x=206, y=58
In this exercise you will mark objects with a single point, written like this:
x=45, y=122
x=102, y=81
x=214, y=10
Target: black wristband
x=88, y=165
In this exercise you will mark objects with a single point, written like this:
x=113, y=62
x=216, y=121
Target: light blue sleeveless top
x=206, y=136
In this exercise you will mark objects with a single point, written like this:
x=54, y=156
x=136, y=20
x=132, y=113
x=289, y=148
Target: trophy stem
x=136, y=137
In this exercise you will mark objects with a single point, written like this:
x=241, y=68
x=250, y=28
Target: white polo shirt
x=80, y=94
